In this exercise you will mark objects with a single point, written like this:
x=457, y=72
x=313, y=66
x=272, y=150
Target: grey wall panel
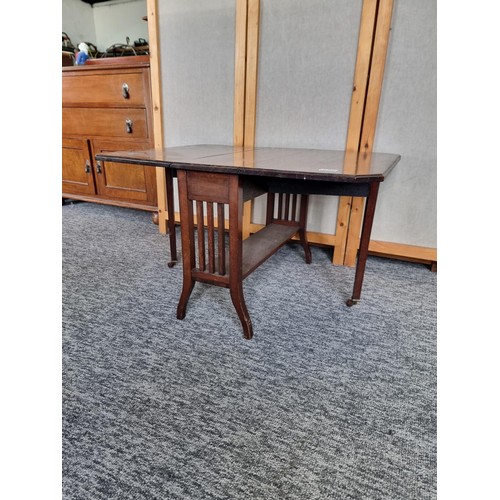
x=197, y=70
x=306, y=68
x=307, y=59
x=406, y=212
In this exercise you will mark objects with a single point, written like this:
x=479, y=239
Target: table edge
x=207, y=167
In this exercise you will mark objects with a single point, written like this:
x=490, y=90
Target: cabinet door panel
x=133, y=183
x=77, y=176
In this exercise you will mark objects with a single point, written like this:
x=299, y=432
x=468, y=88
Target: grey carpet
x=326, y=402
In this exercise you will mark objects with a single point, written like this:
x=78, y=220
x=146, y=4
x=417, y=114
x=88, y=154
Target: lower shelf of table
x=264, y=243
x=255, y=250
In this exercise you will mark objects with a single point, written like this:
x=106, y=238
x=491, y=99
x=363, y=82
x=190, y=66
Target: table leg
x=366, y=230
x=236, y=254
x=188, y=250
x=171, y=216
x=304, y=203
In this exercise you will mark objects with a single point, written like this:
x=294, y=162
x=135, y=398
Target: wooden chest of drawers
x=106, y=106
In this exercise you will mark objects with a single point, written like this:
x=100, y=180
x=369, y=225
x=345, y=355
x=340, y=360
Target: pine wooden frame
x=381, y=32
x=156, y=95
x=358, y=99
x=245, y=84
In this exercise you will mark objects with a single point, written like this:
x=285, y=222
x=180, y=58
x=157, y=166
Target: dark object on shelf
x=123, y=49
x=67, y=44
x=68, y=58
x=92, y=2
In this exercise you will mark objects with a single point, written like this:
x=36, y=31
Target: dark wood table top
x=290, y=163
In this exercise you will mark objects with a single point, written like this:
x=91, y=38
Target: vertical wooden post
x=154, y=63
x=245, y=83
x=358, y=99
x=240, y=72
x=379, y=55
x=253, y=19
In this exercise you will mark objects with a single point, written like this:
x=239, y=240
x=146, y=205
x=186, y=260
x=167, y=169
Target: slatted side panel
x=283, y=207
x=211, y=237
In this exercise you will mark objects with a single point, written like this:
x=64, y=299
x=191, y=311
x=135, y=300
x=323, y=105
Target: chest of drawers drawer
x=105, y=89
x=128, y=123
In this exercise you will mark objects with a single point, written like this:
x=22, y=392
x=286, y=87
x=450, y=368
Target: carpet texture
x=326, y=402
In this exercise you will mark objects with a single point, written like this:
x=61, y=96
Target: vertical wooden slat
x=358, y=98
x=294, y=207
x=221, y=239
x=154, y=65
x=380, y=46
x=201, y=235
x=211, y=238
x=270, y=208
x=287, y=206
x=280, y=206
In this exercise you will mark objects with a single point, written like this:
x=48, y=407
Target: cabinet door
x=119, y=181
x=77, y=175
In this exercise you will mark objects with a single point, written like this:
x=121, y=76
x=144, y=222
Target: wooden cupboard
x=106, y=106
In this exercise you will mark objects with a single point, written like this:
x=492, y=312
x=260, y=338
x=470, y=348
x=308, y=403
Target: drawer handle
x=99, y=167
x=128, y=125
x=87, y=167
x=125, y=91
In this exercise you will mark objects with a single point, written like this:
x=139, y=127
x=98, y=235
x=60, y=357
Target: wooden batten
x=402, y=251
x=380, y=46
x=252, y=60
x=245, y=83
x=358, y=100
x=154, y=61
x=240, y=72
x=361, y=74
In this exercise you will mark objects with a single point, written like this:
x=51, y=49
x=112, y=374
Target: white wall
x=197, y=71
x=104, y=25
x=306, y=68
x=78, y=21
x=407, y=210
x=113, y=23
x=197, y=62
